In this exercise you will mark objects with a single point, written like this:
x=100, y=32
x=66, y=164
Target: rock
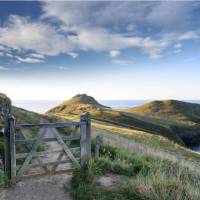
x=5, y=107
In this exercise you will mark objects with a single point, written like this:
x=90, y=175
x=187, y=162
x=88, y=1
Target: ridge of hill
x=76, y=106
x=170, y=109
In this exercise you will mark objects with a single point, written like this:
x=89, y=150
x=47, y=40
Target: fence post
x=7, y=166
x=9, y=136
x=97, y=147
x=88, y=135
x=85, y=141
x=12, y=149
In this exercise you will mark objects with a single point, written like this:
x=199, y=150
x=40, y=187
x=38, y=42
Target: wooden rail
x=49, y=125
x=31, y=142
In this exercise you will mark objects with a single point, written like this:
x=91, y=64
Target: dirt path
x=44, y=188
x=49, y=187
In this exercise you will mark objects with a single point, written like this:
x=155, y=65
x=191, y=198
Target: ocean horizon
x=42, y=106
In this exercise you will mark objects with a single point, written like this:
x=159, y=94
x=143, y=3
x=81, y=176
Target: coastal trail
x=48, y=187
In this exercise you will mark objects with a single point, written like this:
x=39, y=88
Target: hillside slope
x=80, y=104
x=173, y=110
x=21, y=115
x=181, y=117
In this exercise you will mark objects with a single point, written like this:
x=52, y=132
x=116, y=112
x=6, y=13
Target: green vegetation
x=144, y=177
x=172, y=119
x=180, y=117
x=4, y=180
x=81, y=104
x=170, y=110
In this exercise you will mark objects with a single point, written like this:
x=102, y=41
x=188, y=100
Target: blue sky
x=110, y=50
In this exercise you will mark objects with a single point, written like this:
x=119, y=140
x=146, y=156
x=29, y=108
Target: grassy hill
x=160, y=118
x=171, y=110
x=181, y=117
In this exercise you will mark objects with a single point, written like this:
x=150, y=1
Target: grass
x=175, y=120
x=141, y=142
x=4, y=180
x=147, y=177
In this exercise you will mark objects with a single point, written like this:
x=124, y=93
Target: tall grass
x=147, y=177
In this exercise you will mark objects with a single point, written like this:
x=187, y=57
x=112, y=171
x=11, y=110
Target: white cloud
x=9, y=55
x=177, y=50
x=178, y=46
x=114, y=53
x=117, y=15
x=189, y=35
x=1, y=48
x=73, y=54
x=95, y=26
x=36, y=55
x=37, y=36
x=1, y=53
x=121, y=62
x=2, y=68
x=28, y=60
x=63, y=68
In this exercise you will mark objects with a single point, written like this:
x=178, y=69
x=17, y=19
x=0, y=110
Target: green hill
x=174, y=110
x=181, y=117
x=80, y=104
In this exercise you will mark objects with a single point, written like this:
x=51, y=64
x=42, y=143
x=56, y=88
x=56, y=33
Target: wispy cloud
x=9, y=55
x=63, y=68
x=37, y=55
x=122, y=62
x=177, y=50
x=178, y=46
x=28, y=60
x=114, y=53
x=73, y=54
x=2, y=68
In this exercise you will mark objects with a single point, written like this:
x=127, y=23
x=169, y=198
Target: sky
x=109, y=50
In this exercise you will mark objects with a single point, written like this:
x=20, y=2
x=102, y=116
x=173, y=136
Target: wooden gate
x=11, y=157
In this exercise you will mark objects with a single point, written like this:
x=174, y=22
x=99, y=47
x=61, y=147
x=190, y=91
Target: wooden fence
x=11, y=141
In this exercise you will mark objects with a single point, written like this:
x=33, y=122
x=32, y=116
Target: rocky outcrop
x=5, y=107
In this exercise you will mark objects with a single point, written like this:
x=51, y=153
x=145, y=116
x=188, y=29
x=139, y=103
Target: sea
x=42, y=106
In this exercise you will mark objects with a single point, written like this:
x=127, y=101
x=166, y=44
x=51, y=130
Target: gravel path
x=49, y=187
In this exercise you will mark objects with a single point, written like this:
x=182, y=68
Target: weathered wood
x=7, y=159
x=58, y=162
x=97, y=147
x=88, y=136
x=64, y=138
x=44, y=153
x=48, y=125
x=66, y=148
x=31, y=153
x=12, y=148
x=83, y=141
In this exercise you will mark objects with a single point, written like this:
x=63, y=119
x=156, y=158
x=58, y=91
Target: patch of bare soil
x=109, y=179
x=44, y=188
